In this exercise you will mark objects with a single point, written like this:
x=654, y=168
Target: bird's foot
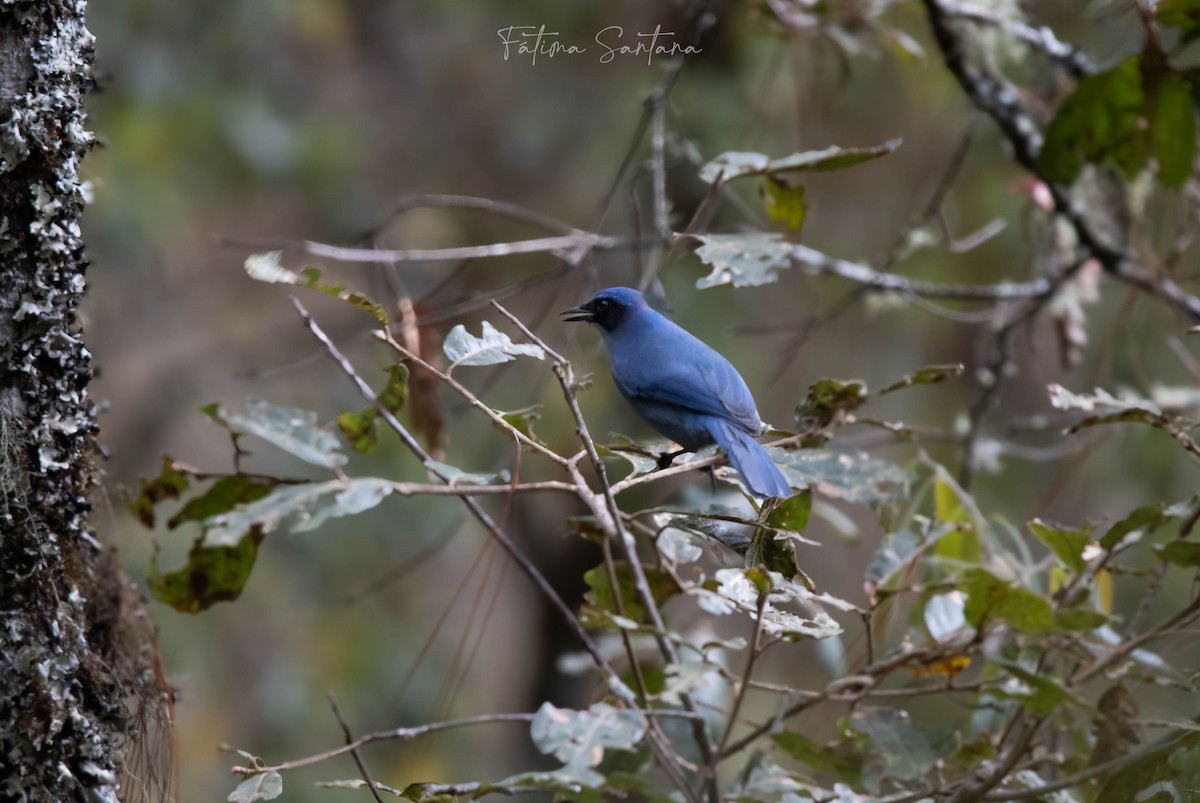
x=711, y=471
x=666, y=458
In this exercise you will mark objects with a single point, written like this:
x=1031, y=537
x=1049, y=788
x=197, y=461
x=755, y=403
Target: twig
x=432, y=489
x=515, y=211
x=976, y=791
x=882, y=281
x=1192, y=609
x=744, y=686
x=575, y=246
x=395, y=734
x=362, y=767
x=1090, y=774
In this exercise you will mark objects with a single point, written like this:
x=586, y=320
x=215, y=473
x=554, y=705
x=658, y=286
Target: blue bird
x=683, y=388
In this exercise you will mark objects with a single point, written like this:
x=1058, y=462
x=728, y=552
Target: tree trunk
x=74, y=649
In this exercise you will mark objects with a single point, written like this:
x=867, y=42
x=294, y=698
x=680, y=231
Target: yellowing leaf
x=943, y=667
x=1104, y=590
x=784, y=202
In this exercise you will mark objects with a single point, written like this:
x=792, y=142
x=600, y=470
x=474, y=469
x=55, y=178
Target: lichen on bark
x=70, y=655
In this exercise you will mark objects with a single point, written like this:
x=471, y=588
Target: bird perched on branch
x=683, y=388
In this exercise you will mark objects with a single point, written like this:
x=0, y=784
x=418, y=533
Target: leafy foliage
x=743, y=260
x=267, y=268
x=1124, y=116
x=492, y=347
x=361, y=429
x=579, y=738
x=297, y=508
x=295, y=431
x=736, y=164
x=212, y=575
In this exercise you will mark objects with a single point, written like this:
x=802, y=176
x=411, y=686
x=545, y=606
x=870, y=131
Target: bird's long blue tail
x=758, y=471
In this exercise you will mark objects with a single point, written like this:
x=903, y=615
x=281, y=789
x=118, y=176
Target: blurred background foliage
x=308, y=119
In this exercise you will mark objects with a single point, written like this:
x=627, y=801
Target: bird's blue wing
x=689, y=374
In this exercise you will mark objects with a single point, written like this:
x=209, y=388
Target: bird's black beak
x=580, y=313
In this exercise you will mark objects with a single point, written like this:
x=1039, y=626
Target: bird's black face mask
x=607, y=313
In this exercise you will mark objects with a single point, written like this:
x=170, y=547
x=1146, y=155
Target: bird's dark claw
x=666, y=458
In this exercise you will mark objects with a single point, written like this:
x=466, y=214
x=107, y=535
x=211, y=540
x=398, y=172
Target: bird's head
x=608, y=309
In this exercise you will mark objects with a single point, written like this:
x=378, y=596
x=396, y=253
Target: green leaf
x=735, y=164
x=264, y=786
x=1116, y=732
x=953, y=505
x=683, y=679
x=826, y=398
x=899, y=750
x=643, y=457
x=773, y=551
x=266, y=268
x=1181, y=553
x=851, y=475
x=212, y=575
x=678, y=546
x=522, y=420
x=1147, y=518
x=225, y=494
x=929, y=375
x=784, y=202
x=1080, y=619
x=491, y=348
x=840, y=760
x=1098, y=122
x=730, y=534
x=579, y=738
x=895, y=551
x=777, y=554
x=169, y=484
x=1171, y=772
x=1178, y=13
x=293, y=430
x=600, y=597
x=1125, y=115
x=792, y=513
x=1067, y=543
x=359, y=783
x=1044, y=693
x=361, y=429
x=297, y=508
x=989, y=597
x=739, y=590
x=743, y=260
x=456, y=476
x=1173, y=130
x=562, y=783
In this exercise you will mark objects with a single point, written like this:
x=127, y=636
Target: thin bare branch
x=362, y=767
x=890, y=282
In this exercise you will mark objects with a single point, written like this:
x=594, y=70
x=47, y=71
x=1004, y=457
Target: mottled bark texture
x=75, y=653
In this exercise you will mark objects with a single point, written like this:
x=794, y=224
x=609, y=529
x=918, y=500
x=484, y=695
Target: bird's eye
x=601, y=304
